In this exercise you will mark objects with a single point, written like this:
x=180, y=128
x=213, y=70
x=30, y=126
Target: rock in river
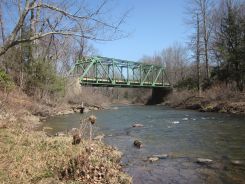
x=138, y=144
x=153, y=159
x=175, y=122
x=162, y=156
x=204, y=161
x=237, y=162
x=137, y=125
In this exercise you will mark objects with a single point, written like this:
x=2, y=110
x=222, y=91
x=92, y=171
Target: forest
x=41, y=40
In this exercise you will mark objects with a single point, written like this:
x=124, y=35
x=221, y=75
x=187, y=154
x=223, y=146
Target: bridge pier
x=158, y=95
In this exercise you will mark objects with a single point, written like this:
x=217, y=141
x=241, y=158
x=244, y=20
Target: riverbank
x=213, y=100
x=28, y=156
x=31, y=157
x=18, y=105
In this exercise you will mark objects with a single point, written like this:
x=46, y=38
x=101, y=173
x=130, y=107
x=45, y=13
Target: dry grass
x=222, y=92
x=218, y=92
x=28, y=156
x=178, y=97
x=18, y=102
x=32, y=157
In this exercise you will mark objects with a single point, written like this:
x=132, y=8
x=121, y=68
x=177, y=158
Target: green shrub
x=6, y=82
x=43, y=77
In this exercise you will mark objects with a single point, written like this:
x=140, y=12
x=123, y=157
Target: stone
x=138, y=144
x=175, y=122
x=59, y=113
x=92, y=119
x=86, y=110
x=161, y=156
x=237, y=162
x=95, y=108
x=60, y=134
x=204, y=161
x=76, y=110
x=137, y=125
x=74, y=129
x=153, y=159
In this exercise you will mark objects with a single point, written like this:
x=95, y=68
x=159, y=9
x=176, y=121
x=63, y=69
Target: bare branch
x=59, y=21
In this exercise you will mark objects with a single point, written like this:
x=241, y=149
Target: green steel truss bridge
x=109, y=72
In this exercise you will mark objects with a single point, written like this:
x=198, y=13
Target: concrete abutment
x=158, y=95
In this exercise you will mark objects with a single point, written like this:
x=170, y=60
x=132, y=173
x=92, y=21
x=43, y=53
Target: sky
x=153, y=25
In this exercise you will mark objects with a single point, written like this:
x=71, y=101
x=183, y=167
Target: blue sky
x=153, y=25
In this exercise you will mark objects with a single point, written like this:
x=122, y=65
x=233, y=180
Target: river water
x=182, y=134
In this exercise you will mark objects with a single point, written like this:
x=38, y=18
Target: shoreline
x=215, y=109
x=203, y=104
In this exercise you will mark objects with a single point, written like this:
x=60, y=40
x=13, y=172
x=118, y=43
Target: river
x=182, y=134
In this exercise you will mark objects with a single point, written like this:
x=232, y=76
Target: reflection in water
x=184, y=135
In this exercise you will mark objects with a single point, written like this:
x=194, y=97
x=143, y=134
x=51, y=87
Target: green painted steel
x=103, y=71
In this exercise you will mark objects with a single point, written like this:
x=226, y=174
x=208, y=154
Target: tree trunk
x=21, y=75
x=2, y=25
x=205, y=35
x=198, y=55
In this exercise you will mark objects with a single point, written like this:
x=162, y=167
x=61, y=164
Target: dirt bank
x=213, y=100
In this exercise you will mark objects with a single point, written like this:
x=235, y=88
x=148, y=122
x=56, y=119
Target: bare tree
x=198, y=55
x=1, y=24
x=61, y=18
x=204, y=10
x=175, y=61
x=174, y=58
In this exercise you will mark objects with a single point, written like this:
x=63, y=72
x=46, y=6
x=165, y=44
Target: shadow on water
x=183, y=135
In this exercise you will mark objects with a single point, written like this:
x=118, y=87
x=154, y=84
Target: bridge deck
x=120, y=83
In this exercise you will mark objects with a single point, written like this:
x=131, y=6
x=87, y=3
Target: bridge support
x=158, y=95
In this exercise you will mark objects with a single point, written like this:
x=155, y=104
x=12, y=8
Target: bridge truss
x=109, y=72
